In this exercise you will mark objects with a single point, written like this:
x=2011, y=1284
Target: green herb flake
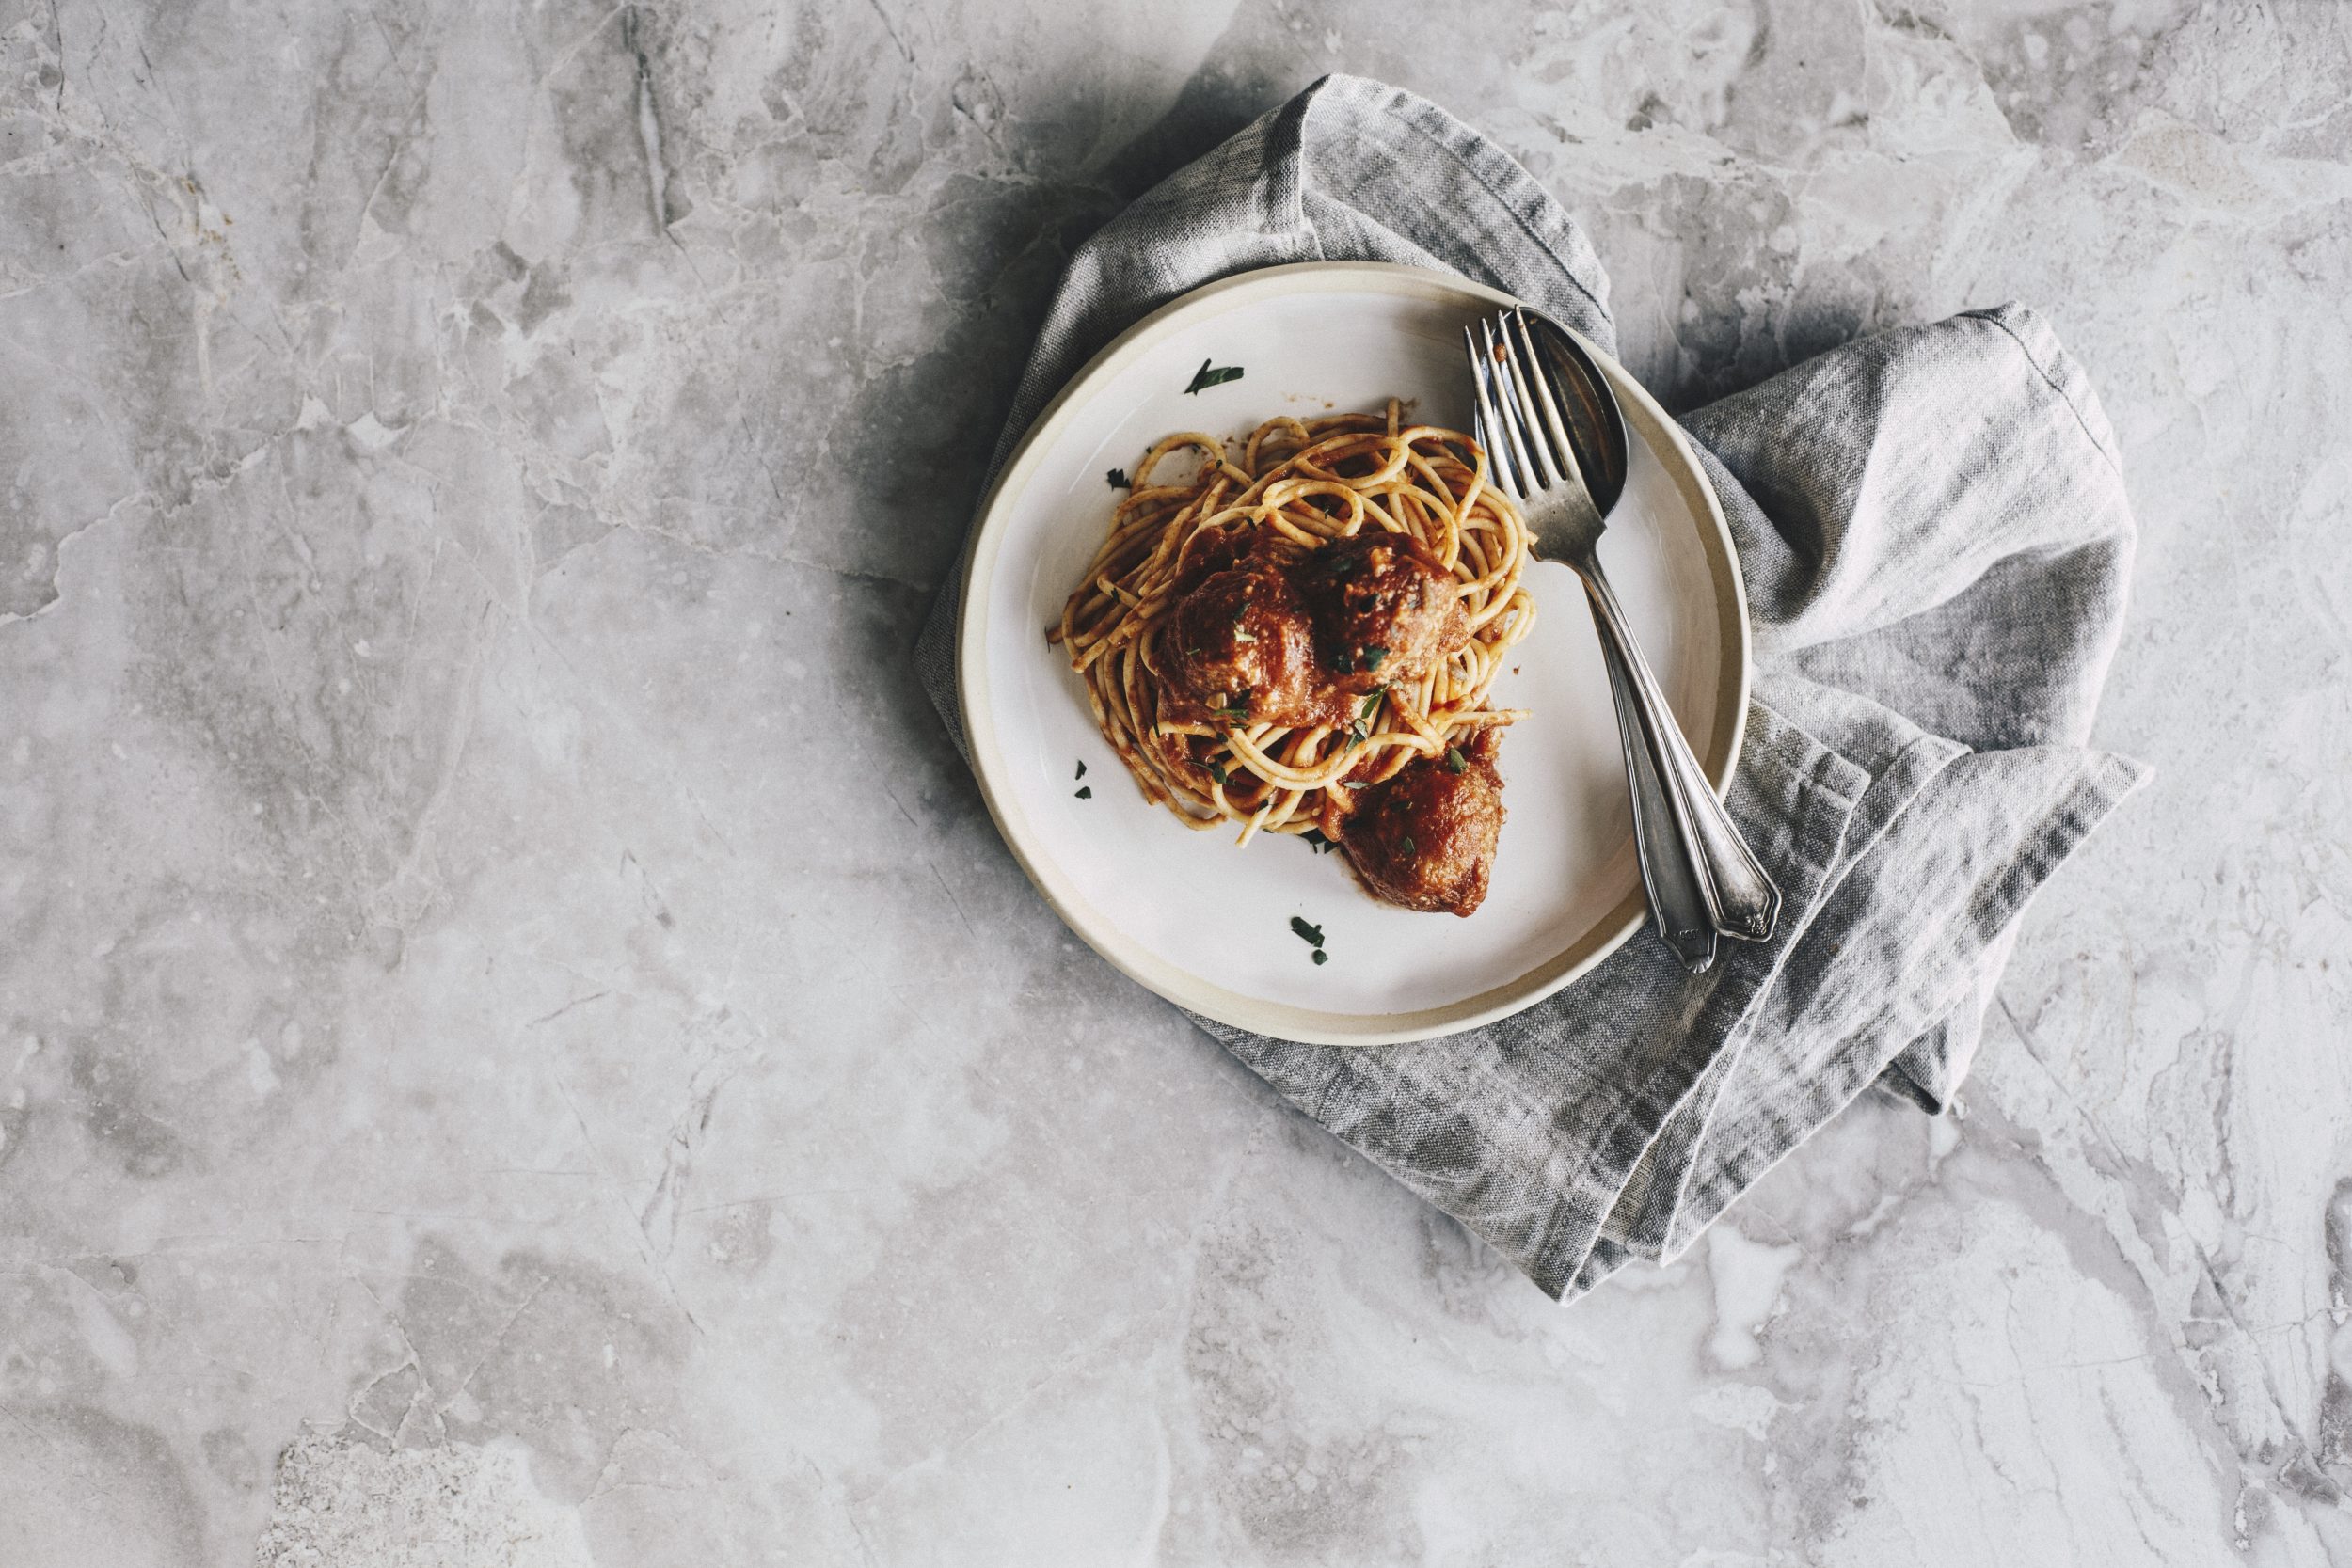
x=1454, y=761
x=1372, y=704
x=1316, y=842
x=1217, y=772
x=1311, y=935
x=1321, y=956
x=1407, y=846
x=1119, y=480
x=1085, y=792
x=1082, y=769
x=1208, y=375
x=1373, y=655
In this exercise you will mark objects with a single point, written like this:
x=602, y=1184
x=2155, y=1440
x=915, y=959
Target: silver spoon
x=1557, y=444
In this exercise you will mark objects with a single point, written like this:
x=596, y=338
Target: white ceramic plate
x=1207, y=925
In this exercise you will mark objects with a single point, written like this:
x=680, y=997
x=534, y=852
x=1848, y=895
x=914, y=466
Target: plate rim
x=1172, y=982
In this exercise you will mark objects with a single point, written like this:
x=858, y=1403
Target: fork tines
x=1519, y=401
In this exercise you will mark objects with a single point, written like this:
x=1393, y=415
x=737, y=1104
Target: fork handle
x=1745, y=904
x=1678, y=899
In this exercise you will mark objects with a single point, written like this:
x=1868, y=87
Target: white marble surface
x=470, y=1095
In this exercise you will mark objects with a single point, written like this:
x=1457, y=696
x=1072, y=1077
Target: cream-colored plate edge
x=1191, y=990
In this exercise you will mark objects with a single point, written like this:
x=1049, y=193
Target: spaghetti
x=1298, y=487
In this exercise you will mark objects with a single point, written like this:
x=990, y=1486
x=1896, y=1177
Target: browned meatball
x=1384, y=609
x=1426, y=839
x=1240, y=649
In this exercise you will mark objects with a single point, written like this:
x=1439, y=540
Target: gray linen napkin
x=1936, y=542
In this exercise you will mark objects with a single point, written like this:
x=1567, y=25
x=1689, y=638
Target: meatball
x=1384, y=609
x=1240, y=649
x=1425, y=838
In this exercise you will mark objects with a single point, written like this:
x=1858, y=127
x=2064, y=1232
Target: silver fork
x=1556, y=441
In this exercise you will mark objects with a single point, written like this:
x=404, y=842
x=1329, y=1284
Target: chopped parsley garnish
x=1119, y=480
x=1236, y=706
x=1454, y=761
x=1321, y=956
x=1082, y=769
x=1316, y=842
x=1311, y=935
x=1208, y=375
x=1407, y=846
x=1372, y=703
x=1085, y=792
x=1217, y=772
x=1373, y=655
x=1356, y=732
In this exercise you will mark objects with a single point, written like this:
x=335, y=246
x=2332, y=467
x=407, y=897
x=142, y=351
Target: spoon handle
x=1742, y=899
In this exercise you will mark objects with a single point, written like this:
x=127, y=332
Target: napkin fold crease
x=1936, y=544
